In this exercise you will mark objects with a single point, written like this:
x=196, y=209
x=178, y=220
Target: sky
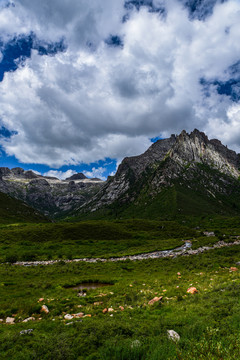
x=85, y=83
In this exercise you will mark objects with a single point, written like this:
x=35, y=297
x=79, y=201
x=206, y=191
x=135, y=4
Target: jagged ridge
x=49, y=195
x=187, y=169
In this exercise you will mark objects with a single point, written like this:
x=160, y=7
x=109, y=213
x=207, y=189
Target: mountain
x=79, y=176
x=15, y=211
x=183, y=175
x=49, y=195
x=186, y=174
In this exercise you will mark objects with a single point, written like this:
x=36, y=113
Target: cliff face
x=48, y=195
x=187, y=173
x=196, y=148
x=190, y=161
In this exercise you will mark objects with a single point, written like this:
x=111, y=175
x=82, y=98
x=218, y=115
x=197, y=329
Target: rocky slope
x=185, y=174
x=49, y=195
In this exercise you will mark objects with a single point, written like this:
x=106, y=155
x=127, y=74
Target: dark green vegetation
x=26, y=242
x=13, y=211
x=208, y=322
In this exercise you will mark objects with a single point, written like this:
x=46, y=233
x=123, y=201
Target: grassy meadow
x=208, y=322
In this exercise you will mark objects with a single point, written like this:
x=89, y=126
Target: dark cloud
x=111, y=86
x=201, y=9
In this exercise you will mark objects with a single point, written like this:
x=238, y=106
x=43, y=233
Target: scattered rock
x=110, y=309
x=179, y=274
x=173, y=335
x=69, y=323
x=192, y=290
x=41, y=299
x=79, y=315
x=10, y=320
x=208, y=233
x=29, y=319
x=88, y=315
x=154, y=300
x=68, y=317
x=26, y=332
x=233, y=268
x=1, y=320
x=121, y=308
x=105, y=311
x=45, y=309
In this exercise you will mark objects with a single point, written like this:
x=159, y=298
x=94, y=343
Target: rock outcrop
x=190, y=161
x=49, y=195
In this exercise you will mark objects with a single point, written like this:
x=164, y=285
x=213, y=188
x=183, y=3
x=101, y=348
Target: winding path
x=184, y=250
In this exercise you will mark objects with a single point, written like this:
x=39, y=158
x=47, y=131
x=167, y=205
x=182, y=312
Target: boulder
x=68, y=317
x=79, y=315
x=29, y=319
x=192, y=290
x=26, y=332
x=173, y=335
x=154, y=300
x=45, y=309
x=10, y=320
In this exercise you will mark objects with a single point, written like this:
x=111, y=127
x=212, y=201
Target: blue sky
x=83, y=86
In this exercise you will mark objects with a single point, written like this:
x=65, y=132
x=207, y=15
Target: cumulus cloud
x=62, y=175
x=96, y=173
x=94, y=101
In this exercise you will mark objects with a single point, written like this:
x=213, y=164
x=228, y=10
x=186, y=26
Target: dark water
x=90, y=286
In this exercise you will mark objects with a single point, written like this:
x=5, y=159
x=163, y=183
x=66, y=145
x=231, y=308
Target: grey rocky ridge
x=49, y=195
x=186, y=174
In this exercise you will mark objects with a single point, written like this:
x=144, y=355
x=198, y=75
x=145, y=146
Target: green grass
x=207, y=322
x=15, y=211
x=28, y=242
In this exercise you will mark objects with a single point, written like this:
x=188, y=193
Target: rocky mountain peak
x=79, y=176
x=197, y=148
x=165, y=163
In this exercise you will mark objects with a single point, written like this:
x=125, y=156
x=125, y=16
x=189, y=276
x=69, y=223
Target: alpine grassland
x=115, y=318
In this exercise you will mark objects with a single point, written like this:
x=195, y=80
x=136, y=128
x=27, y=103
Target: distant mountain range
x=49, y=195
x=186, y=174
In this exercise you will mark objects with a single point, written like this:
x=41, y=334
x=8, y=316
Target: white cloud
x=96, y=173
x=35, y=172
x=83, y=105
x=60, y=174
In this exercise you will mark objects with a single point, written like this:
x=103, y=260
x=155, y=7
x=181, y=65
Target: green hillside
x=14, y=211
x=199, y=191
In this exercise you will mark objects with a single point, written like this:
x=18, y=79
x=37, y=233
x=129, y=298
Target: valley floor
x=118, y=320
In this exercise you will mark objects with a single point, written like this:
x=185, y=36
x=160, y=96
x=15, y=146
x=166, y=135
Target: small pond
x=90, y=286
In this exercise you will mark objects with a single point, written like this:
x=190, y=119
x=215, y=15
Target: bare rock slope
x=173, y=174
x=49, y=195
